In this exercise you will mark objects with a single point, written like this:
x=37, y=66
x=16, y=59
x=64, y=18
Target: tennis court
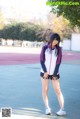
x=20, y=85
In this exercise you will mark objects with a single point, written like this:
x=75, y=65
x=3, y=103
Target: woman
x=50, y=59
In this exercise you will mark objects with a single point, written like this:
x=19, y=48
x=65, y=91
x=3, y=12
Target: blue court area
x=20, y=89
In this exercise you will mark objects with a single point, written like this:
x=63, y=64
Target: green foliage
x=71, y=12
x=21, y=31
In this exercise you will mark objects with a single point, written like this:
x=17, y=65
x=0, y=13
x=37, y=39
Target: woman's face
x=54, y=43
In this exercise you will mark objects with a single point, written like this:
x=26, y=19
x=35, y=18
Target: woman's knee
x=45, y=85
x=45, y=89
x=58, y=91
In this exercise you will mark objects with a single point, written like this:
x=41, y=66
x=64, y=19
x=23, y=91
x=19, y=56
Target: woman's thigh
x=56, y=85
x=45, y=83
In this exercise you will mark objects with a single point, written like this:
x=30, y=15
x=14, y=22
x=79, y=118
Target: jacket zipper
x=50, y=62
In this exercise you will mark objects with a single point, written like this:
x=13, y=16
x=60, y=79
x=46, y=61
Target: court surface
x=20, y=86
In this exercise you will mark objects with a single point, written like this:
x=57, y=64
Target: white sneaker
x=48, y=111
x=61, y=112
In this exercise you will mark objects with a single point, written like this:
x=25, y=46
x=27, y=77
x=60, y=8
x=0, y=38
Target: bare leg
x=45, y=83
x=56, y=86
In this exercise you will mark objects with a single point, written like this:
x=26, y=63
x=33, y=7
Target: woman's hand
x=54, y=78
x=45, y=75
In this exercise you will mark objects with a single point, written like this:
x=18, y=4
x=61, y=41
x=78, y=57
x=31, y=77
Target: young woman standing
x=50, y=59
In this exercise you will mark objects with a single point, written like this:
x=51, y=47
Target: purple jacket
x=49, y=61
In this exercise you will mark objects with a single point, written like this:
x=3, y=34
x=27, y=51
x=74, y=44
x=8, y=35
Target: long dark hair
x=54, y=36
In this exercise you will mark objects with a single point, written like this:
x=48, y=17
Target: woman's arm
x=42, y=59
x=58, y=62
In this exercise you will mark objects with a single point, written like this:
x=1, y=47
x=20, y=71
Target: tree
x=61, y=26
x=44, y=34
x=29, y=32
x=1, y=20
x=21, y=31
x=71, y=12
x=11, y=31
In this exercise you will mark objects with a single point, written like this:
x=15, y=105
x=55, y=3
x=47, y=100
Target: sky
x=24, y=8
